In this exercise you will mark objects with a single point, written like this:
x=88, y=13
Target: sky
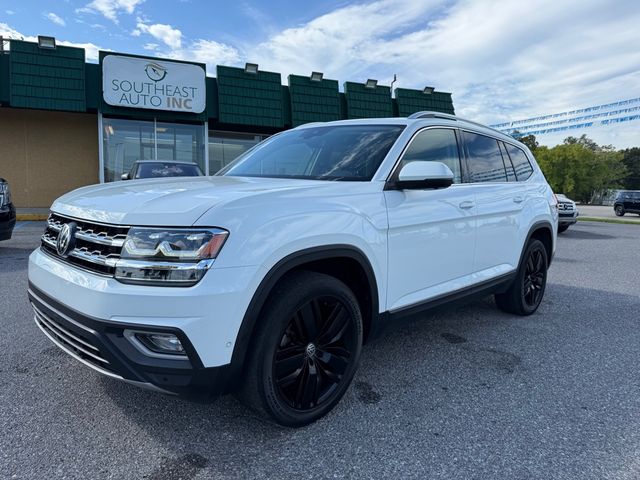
x=502, y=60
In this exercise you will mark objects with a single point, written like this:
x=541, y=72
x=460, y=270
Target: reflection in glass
x=126, y=141
x=224, y=147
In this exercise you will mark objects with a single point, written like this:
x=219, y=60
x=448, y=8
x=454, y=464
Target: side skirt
x=450, y=300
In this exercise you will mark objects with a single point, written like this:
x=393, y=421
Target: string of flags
x=574, y=119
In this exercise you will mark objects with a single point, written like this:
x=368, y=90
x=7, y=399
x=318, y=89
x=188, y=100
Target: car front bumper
x=7, y=221
x=567, y=218
x=87, y=316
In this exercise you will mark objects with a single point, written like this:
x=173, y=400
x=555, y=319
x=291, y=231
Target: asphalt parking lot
x=605, y=211
x=468, y=394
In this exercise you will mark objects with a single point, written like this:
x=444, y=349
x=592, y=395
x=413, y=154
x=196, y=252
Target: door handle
x=518, y=199
x=466, y=204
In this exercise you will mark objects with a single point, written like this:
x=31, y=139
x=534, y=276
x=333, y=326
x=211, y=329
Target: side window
x=511, y=172
x=520, y=162
x=484, y=158
x=435, y=145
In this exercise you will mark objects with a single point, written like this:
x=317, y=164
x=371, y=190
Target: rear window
x=484, y=158
x=160, y=169
x=520, y=162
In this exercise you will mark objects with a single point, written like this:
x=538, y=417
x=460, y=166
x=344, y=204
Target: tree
x=631, y=160
x=530, y=141
x=579, y=168
x=583, y=140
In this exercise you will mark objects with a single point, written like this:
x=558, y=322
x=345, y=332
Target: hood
x=167, y=202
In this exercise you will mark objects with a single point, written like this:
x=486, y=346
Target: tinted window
x=162, y=169
x=511, y=173
x=520, y=162
x=435, y=145
x=345, y=152
x=485, y=159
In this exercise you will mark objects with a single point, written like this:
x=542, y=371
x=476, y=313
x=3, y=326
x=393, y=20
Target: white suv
x=267, y=278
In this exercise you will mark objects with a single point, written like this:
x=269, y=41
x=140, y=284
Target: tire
x=295, y=376
x=562, y=228
x=525, y=293
x=619, y=209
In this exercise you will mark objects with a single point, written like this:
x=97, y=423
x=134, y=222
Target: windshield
x=167, y=169
x=339, y=152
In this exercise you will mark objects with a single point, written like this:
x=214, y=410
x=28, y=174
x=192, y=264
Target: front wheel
x=562, y=228
x=305, y=351
x=525, y=293
x=619, y=210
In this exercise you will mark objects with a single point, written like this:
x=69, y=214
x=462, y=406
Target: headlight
x=171, y=257
x=5, y=194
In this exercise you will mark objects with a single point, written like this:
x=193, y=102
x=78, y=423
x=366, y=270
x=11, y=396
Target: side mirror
x=420, y=175
x=124, y=176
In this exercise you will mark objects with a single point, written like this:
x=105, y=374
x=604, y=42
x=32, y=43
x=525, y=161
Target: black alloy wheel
x=524, y=295
x=305, y=350
x=619, y=210
x=314, y=353
x=534, y=278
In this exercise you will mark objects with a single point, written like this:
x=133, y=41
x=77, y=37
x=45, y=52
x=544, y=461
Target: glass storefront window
x=125, y=141
x=224, y=147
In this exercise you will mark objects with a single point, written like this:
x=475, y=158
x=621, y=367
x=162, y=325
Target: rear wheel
x=306, y=349
x=619, y=209
x=526, y=291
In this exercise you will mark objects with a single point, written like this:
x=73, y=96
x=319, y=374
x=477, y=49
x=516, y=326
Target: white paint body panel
x=420, y=244
x=431, y=243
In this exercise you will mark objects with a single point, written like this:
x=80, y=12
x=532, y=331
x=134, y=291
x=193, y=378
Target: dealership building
x=65, y=123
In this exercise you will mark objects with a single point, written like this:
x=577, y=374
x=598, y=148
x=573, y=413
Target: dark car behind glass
x=7, y=211
x=162, y=169
x=627, y=202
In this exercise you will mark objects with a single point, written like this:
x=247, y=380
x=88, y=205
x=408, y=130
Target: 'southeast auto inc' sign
x=154, y=84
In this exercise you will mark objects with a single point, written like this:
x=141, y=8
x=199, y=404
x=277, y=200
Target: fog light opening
x=161, y=342
x=156, y=344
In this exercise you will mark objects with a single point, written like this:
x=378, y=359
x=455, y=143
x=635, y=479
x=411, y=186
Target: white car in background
x=267, y=278
x=567, y=212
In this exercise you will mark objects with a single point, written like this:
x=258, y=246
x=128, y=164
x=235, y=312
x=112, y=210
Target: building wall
x=44, y=154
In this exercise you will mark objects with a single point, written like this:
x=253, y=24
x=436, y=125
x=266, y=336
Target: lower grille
x=567, y=207
x=76, y=345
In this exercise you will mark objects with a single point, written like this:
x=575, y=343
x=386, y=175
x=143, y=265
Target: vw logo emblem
x=66, y=239
x=311, y=350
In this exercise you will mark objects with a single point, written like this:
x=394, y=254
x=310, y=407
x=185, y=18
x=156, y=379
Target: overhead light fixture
x=251, y=68
x=48, y=43
x=371, y=83
x=428, y=90
x=316, y=76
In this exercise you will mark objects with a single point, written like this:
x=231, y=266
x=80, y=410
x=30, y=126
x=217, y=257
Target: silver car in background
x=567, y=212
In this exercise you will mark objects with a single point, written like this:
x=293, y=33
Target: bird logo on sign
x=155, y=71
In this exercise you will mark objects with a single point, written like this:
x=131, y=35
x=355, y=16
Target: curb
x=608, y=220
x=31, y=217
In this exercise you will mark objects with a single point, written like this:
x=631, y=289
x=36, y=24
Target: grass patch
x=608, y=220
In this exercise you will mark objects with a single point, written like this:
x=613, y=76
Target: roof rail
x=446, y=116
x=431, y=114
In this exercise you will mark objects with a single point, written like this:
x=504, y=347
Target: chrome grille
x=565, y=207
x=97, y=246
x=74, y=344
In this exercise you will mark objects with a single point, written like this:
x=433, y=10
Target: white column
x=100, y=149
x=206, y=148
